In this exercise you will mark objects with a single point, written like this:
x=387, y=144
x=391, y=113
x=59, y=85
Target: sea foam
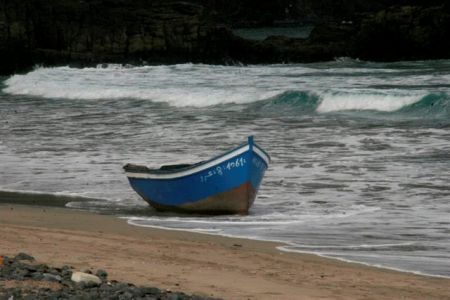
x=371, y=100
x=180, y=85
x=204, y=85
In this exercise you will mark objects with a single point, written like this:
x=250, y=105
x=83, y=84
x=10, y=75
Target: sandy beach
x=207, y=265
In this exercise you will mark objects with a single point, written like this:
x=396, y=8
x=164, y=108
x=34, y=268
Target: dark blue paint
x=222, y=177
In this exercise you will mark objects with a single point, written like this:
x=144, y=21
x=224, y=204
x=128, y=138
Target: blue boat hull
x=225, y=184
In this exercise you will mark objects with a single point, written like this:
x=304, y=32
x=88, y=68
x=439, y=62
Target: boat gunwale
x=172, y=173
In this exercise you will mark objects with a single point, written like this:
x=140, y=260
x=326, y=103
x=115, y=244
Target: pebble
x=102, y=274
x=52, y=277
x=23, y=256
x=99, y=288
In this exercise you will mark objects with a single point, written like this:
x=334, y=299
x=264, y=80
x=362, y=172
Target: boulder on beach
x=85, y=278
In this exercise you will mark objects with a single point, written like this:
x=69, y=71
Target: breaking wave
x=418, y=104
x=300, y=88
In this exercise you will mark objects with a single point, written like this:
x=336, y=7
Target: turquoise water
x=360, y=150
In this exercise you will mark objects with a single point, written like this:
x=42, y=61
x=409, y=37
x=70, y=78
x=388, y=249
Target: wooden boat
x=226, y=184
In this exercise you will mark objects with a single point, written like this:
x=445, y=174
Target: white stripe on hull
x=190, y=171
x=202, y=167
x=261, y=154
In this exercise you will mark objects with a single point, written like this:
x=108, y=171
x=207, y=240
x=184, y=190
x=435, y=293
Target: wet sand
x=222, y=267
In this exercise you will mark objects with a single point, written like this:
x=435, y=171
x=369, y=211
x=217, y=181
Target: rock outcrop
x=21, y=280
x=155, y=31
x=34, y=31
x=405, y=33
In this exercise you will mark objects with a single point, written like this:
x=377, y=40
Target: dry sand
x=194, y=263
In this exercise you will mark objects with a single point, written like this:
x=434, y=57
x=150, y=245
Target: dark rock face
x=88, y=31
x=155, y=31
x=59, y=279
x=267, y=13
x=405, y=33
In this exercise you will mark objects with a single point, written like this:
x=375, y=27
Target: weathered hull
x=223, y=185
x=236, y=201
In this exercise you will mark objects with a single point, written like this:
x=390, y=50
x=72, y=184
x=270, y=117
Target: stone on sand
x=85, y=278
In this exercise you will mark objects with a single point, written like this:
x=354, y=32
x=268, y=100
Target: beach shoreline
x=285, y=247
x=196, y=263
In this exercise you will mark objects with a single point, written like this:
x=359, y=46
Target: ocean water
x=360, y=151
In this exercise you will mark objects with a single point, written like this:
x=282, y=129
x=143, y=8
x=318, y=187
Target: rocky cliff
x=88, y=31
x=154, y=31
x=404, y=33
